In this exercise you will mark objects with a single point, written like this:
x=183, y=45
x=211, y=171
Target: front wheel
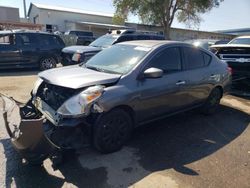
x=35, y=159
x=112, y=130
x=212, y=102
x=47, y=63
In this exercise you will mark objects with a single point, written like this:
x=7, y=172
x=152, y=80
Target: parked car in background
x=203, y=43
x=76, y=54
x=206, y=43
x=237, y=54
x=224, y=41
x=120, y=88
x=83, y=37
x=19, y=49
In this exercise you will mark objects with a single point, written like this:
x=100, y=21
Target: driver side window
x=168, y=60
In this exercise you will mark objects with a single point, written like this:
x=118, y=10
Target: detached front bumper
x=26, y=130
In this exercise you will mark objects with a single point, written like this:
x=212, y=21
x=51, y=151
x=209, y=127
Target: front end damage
x=25, y=127
x=38, y=132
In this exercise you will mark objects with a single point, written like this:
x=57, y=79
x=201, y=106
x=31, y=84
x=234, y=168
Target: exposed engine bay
x=54, y=95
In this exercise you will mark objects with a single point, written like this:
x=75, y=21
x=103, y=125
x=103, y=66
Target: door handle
x=180, y=83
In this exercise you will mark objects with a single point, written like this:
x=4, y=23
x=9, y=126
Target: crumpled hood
x=80, y=49
x=77, y=77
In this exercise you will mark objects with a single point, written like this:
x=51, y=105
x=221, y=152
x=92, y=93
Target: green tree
x=118, y=19
x=163, y=12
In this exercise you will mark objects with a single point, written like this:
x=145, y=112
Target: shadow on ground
x=170, y=143
x=19, y=72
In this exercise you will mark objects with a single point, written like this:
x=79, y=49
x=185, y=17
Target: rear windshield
x=104, y=41
x=240, y=41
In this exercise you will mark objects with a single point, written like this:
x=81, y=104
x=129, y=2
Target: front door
x=9, y=51
x=166, y=94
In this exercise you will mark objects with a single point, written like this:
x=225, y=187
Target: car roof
x=24, y=31
x=151, y=43
x=247, y=36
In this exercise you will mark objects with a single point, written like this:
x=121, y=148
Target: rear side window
x=49, y=40
x=25, y=39
x=58, y=40
x=169, y=60
x=195, y=58
x=207, y=58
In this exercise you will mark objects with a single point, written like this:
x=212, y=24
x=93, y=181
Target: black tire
x=112, y=130
x=212, y=102
x=47, y=63
x=35, y=159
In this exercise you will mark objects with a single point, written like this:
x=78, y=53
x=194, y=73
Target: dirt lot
x=188, y=150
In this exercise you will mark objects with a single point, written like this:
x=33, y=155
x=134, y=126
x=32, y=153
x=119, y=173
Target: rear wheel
x=212, y=102
x=47, y=63
x=112, y=130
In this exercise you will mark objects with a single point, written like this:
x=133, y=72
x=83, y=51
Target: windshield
x=119, y=59
x=104, y=41
x=240, y=41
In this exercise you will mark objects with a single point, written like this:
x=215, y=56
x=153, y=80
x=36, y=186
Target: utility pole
x=24, y=8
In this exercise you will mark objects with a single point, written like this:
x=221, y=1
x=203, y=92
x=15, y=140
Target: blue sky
x=230, y=15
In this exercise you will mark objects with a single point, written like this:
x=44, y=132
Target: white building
x=9, y=14
x=56, y=18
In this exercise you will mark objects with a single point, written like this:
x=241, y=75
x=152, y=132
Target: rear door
x=51, y=45
x=199, y=75
x=9, y=51
x=29, y=49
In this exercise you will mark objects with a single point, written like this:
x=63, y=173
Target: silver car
x=127, y=85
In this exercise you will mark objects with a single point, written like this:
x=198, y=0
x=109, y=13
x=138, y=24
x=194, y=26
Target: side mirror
x=153, y=73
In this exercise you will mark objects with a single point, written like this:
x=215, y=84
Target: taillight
x=230, y=70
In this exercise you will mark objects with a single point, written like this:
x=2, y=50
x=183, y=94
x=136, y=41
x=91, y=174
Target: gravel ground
x=188, y=150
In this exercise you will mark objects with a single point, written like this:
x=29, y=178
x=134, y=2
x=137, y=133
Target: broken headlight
x=80, y=104
x=36, y=86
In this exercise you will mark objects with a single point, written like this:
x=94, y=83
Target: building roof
x=8, y=7
x=63, y=9
x=104, y=25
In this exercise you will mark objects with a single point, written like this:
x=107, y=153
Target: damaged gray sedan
x=99, y=103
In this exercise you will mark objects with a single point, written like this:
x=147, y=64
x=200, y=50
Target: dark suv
x=19, y=49
x=76, y=54
x=83, y=37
